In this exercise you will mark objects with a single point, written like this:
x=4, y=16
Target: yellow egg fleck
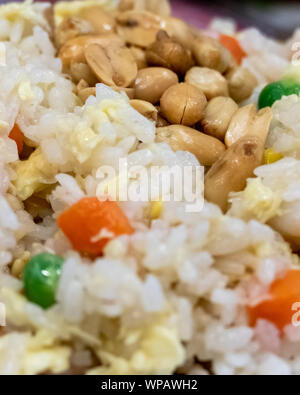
x=83, y=141
x=33, y=175
x=156, y=209
x=271, y=156
x=260, y=200
x=157, y=351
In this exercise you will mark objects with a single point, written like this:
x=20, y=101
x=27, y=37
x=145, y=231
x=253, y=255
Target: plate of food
x=150, y=193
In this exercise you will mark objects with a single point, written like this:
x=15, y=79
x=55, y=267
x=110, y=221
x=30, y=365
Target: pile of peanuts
x=183, y=80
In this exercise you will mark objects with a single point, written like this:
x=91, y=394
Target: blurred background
x=276, y=18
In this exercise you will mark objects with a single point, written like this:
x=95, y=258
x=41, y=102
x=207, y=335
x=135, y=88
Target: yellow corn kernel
x=19, y=263
x=272, y=156
x=156, y=209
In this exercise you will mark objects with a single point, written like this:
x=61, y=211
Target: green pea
x=276, y=90
x=41, y=276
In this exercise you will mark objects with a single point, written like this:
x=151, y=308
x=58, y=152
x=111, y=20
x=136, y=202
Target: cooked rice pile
x=172, y=296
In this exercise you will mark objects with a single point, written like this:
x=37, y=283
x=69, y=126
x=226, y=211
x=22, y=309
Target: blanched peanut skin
x=152, y=82
x=211, y=82
x=169, y=53
x=241, y=83
x=208, y=52
x=73, y=50
x=113, y=64
x=233, y=168
x=207, y=149
x=183, y=104
x=218, y=115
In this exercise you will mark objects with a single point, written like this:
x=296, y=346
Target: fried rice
x=173, y=296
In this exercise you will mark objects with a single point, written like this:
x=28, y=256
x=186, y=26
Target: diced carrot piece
x=284, y=292
x=17, y=135
x=83, y=223
x=233, y=46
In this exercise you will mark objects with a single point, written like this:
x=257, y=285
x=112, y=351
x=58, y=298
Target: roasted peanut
x=101, y=21
x=145, y=108
x=167, y=52
x=232, y=169
x=247, y=122
x=82, y=84
x=218, y=115
x=159, y=7
x=81, y=71
x=112, y=64
x=211, y=82
x=208, y=52
x=49, y=16
x=152, y=82
x=207, y=149
x=139, y=56
x=71, y=28
x=85, y=93
x=126, y=5
x=180, y=31
x=183, y=104
x=130, y=92
x=139, y=28
x=73, y=50
x=241, y=83
x=161, y=121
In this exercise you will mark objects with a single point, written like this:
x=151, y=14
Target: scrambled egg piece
x=113, y=112
x=40, y=354
x=33, y=175
x=21, y=313
x=102, y=113
x=83, y=141
x=25, y=10
x=155, y=349
x=265, y=250
x=158, y=351
x=66, y=9
x=259, y=201
x=43, y=354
